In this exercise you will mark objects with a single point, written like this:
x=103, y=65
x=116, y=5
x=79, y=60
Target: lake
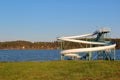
x=33, y=55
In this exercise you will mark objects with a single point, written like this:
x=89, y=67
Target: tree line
x=45, y=45
x=28, y=45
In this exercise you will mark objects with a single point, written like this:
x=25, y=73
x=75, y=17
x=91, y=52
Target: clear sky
x=45, y=20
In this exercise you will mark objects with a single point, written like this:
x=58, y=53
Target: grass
x=60, y=70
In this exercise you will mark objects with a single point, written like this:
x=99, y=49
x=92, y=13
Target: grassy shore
x=60, y=70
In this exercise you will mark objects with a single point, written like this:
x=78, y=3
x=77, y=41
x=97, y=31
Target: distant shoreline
x=27, y=45
x=29, y=49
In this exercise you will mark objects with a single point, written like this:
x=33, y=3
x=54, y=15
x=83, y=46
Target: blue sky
x=44, y=20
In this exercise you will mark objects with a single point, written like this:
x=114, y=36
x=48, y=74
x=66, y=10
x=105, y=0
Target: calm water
x=33, y=55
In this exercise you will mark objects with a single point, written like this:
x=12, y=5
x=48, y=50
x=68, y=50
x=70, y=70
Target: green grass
x=60, y=70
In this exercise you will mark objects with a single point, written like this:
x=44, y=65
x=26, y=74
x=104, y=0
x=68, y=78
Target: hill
x=43, y=45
